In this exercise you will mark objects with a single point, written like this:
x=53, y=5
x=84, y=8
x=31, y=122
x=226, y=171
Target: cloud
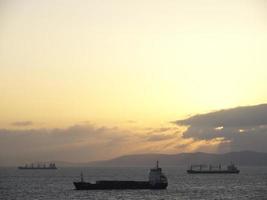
x=236, y=117
x=73, y=143
x=161, y=137
x=82, y=143
x=163, y=133
x=242, y=128
x=22, y=123
x=131, y=121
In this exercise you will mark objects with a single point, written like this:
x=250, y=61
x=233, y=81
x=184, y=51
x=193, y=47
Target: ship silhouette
x=203, y=169
x=38, y=166
x=157, y=180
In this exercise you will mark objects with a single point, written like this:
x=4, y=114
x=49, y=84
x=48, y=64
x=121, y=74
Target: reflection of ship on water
x=157, y=180
x=204, y=169
x=39, y=166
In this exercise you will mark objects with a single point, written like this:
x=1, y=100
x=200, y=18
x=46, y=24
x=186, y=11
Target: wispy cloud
x=242, y=128
x=22, y=123
x=82, y=142
x=161, y=137
x=131, y=121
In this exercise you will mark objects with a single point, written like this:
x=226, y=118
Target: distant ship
x=157, y=180
x=39, y=166
x=203, y=169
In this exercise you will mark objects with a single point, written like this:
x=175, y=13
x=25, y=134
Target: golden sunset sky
x=129, y=64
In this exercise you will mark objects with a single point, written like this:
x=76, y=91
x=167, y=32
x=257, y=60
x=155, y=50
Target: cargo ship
x=157, y=180
x=38, y=166
x=204, y=169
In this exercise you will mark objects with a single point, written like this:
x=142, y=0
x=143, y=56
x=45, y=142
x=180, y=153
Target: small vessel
x=38, y=166
x=157, y=180
x=203, y=169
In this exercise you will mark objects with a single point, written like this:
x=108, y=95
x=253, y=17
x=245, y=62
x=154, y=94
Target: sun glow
x=133, y=66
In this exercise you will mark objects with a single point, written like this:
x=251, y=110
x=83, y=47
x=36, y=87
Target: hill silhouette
x=247, y=158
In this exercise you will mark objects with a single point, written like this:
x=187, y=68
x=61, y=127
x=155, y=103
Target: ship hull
x=212, y=172
x=118, y=185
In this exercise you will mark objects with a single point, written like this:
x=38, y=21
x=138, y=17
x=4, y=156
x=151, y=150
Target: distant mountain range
x=239, y=158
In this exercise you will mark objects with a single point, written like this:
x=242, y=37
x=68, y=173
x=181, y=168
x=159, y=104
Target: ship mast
x=82, y=177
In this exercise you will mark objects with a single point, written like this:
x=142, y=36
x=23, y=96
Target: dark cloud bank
x=244, y=128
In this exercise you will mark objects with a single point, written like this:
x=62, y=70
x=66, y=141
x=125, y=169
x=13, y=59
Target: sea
x=15, y=184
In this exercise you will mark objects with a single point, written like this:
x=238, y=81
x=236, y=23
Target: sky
x=93, y=77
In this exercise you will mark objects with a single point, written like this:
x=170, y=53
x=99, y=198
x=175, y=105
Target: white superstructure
x=156, y=176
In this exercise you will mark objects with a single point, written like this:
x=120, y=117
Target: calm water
x=251, y=183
